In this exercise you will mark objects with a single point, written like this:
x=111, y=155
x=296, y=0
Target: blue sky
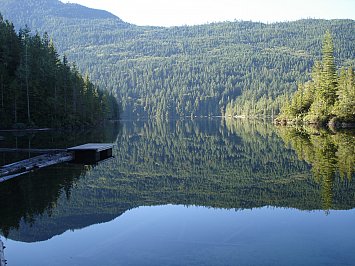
x=192, y=12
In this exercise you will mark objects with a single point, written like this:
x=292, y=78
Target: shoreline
x=330, y=124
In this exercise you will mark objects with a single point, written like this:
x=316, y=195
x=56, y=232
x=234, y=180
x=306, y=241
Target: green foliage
x=188, y=71
x=344, y=107
x=328, y=86
x=38, y=89
x=327, y=96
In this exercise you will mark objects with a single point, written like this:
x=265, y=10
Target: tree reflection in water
x=229, y=164
x=331, y=155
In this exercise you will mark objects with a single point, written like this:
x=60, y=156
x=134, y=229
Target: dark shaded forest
x=38, y=89
x=188, y=70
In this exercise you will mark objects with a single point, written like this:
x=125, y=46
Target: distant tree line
x=328, y=98
x=37, y=88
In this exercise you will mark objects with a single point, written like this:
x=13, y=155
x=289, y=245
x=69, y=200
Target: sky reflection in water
x=180, y=235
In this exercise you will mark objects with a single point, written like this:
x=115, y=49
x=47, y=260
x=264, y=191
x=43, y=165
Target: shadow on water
x=27, y=198
x=232, y=164
x=53, y=139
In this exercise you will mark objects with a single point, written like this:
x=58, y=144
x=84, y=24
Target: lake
x=185, y=192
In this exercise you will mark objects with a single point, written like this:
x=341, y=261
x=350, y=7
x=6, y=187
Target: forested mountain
x=37, y=88
x=35, y=13
x=189, y=70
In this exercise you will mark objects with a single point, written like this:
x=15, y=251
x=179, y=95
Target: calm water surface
x=192, y=192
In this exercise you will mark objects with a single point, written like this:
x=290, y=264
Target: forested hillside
x=37, y=88
x=189, y=70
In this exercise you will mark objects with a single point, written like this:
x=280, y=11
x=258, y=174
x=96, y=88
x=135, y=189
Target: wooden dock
x=90, y=153
x=2, y=255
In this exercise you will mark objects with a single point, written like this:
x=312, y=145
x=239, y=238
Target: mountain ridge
x=31, y=10
x=81, y=11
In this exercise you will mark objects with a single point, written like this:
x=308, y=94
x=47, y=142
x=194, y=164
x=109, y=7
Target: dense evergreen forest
x=188, y=70
x=329, y=98
x=232, y=164
x=37, y=88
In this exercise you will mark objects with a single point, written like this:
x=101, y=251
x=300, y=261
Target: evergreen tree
x=344, y=107
x=328, y=87
x=325, y=84
x=326, y=97
x=37, y=89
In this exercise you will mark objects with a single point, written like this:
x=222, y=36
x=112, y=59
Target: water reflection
x=176, y=235
x=331, y=155
x=52, y=139
x=213, y=163
x=29, y=198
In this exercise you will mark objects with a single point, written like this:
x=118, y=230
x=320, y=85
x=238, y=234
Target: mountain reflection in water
x=206, y=162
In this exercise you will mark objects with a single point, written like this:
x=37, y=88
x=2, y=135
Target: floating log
x=25, y=130
x=31, y=150
x=15, y=169
x=2, y=256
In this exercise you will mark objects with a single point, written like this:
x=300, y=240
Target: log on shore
x=15, y=169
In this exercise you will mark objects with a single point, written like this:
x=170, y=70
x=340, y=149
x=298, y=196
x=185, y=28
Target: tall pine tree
x=328, y=87
x=327, y=97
